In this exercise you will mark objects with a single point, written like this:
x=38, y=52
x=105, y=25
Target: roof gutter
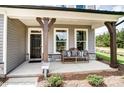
x=119, y=23
x=62, y=9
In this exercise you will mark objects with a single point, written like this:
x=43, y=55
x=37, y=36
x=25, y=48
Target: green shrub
x=95, y=80
x=55, y=81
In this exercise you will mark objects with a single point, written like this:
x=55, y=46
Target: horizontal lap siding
x=91, y=37
x=71, y=29
x=16, y=43
x=1, y=37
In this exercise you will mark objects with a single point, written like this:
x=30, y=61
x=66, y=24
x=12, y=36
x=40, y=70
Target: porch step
x=23, y=81
x=20, y=76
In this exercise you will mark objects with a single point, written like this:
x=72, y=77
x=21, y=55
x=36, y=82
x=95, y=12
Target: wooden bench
x=74, y=55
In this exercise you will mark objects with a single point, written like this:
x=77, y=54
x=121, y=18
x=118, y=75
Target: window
x=61, y=40
x=81, y=39
x=80, y=6
x=61, y=6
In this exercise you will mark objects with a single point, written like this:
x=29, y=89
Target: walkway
x=25, y=81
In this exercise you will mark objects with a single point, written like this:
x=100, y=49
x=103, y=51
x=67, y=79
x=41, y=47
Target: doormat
x=34, y=61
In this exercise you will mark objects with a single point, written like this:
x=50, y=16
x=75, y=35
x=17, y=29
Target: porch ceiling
x=28, y=16
x=94, y=24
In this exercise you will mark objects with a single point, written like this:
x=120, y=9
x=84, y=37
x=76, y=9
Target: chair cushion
x=69, y=53
x=79, y=54
x=74, y=53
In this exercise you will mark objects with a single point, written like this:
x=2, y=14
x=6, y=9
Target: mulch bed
x=112, y=78
x=111, y=81
x=82, y=75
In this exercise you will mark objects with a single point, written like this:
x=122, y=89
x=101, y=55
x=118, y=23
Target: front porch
x=36, y=33
x=34, y=69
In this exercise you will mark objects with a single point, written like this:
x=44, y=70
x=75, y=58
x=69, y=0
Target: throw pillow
x=68, y=53
x=65, y=53
x=79, y=53
x=74, y=53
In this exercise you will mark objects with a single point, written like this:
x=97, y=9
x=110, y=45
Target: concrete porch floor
x=34, y=69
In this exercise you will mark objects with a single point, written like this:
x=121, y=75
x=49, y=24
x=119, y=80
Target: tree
x=104, y=40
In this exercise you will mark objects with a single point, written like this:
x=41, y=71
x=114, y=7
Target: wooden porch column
x=45, y=39
x=46, y=24
x=113, y=48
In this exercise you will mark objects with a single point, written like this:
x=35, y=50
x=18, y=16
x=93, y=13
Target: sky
x=111, y=7
x=103, y=29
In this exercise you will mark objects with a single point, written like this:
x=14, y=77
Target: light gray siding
x=16, y=43
x=1, y=37
x=71, y=34
x=91, y=38
x=71, y=28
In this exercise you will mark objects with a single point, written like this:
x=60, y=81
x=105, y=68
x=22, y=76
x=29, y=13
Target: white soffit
x=16, y=12
x=28, y=16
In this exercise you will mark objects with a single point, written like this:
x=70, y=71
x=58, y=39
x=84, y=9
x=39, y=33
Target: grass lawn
x=119, y=50
x=106, y=57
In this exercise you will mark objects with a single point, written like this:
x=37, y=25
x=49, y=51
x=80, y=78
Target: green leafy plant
x=95, y=80
x=55, y=81
x=105, y=38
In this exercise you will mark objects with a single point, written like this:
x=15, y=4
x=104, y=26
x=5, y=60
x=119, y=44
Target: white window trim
x=29, y=34
x=4, y=41
x=67, y=45
x=75, y=38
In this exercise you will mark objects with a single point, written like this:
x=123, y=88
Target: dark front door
x=35, y=46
